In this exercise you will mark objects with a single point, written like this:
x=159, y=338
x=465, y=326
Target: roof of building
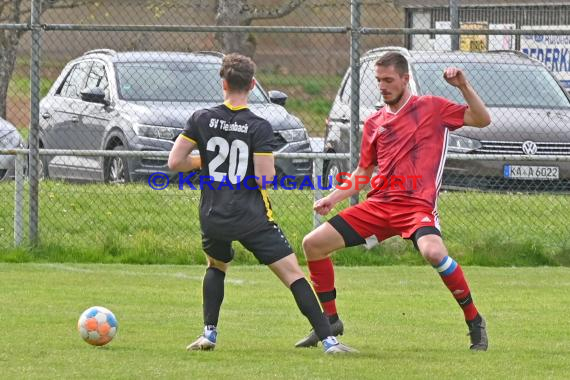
x=477, y=3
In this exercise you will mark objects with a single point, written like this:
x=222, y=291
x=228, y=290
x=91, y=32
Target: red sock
x=453, y=277
x=322, y=277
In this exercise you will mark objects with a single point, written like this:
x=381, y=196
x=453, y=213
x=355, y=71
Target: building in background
x=553, y=51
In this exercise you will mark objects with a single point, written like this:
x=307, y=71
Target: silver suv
x=529, y=108
x=142, y=101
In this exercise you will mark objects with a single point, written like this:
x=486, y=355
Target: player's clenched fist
x=323, y=206
x=454, y=76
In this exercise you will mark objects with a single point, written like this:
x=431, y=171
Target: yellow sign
x=473, y=42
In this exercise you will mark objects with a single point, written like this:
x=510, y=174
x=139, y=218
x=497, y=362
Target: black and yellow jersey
x=228, y=137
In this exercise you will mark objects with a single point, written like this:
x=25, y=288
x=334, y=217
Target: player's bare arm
x=325, y=205
x=264, y=167
x=476, y=115
x=180, y=158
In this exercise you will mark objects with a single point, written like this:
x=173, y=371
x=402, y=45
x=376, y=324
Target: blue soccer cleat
x=333, y=346
x=206, y=341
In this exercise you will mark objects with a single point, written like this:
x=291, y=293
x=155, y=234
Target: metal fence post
x=318, y=193
x=454, y=18
x=354, y=87
x=34, y=120
x=19, y=200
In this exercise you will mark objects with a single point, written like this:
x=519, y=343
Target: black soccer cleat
x=478, y=334
x=312, y=340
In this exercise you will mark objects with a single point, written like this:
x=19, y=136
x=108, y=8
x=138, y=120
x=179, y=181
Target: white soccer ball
x=97, y=325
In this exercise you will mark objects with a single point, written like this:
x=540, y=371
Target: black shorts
x=268, y=245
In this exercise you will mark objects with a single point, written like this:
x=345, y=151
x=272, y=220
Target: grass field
x=134, y=224
x=402, y=319
x=310, y=96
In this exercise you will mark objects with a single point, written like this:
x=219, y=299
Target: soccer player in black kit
x=236, y=153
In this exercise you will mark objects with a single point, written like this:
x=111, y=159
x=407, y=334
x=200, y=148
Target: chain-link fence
x=118, y=81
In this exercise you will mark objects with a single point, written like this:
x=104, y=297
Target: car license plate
x=531, y=172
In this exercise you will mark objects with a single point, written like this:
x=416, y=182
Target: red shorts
x=379, y=221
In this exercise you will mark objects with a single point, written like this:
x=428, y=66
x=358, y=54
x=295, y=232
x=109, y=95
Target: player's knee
x=220, y=265
x=311, y=248
x=433, y=252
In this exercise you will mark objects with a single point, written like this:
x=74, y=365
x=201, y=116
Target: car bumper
x=490, y=175
x=141, y=168
x=294, y=167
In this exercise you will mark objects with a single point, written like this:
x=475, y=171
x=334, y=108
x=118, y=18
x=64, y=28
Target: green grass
x=402, y=319
x=310, y=96
x=134, y=224
x=315, y=84
x=20, y=86
x=312, y=112
x=25, y=133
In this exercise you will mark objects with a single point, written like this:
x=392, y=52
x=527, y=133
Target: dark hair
x=238, y=70
x=395, y=59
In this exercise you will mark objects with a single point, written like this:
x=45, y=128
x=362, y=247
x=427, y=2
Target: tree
x=18, y=12
x=240, y=12
x=233, y=13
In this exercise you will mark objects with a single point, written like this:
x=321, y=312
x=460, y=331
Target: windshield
x=174, y=82
x=498, y=84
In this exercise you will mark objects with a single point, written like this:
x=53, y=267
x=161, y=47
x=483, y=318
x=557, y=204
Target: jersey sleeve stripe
x=263, y=153
x=189, y=139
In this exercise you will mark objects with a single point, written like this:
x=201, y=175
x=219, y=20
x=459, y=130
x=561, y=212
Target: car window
x=98, y=78
x=498, y=84
x=369, y=92
x=173, y=81
x=75, y=81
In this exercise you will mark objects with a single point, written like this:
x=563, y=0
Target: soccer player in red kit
x=407, y=141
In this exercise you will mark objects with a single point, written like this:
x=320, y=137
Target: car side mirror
x=94, y=95
x=278, y=97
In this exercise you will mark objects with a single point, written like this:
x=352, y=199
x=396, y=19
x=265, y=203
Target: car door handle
x=46, y=115
x=75, y=119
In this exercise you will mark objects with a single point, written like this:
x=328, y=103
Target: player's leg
x=347, y=229
x=430, y=244
x=318, y=246
x=290, y=273
x=271, y=247
x=219, y=254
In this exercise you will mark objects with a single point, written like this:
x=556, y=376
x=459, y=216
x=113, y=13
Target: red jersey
x=409, y=148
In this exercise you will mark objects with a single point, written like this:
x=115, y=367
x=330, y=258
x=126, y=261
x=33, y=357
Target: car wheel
x=116, y=169
x=332, y=168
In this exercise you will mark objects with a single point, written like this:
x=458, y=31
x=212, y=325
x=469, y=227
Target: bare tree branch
x=256, y=13
x=20, y=10
x=16, y=9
